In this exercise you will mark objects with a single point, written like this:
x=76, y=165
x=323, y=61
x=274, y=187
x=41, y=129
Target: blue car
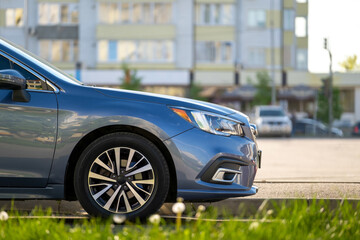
x=116, y=151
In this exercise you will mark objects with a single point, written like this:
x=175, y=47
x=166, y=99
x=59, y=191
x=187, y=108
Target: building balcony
x=57, y=31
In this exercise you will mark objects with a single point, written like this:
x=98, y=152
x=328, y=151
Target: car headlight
x=211, y=122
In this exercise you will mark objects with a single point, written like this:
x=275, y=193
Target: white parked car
x=272, y=121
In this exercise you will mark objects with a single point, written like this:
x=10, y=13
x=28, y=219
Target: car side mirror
x=13, y=80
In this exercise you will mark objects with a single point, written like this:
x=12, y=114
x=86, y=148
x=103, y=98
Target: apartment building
x=171, y=43
x=212, y=38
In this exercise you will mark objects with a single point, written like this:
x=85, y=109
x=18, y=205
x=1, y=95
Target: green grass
x=296, y=220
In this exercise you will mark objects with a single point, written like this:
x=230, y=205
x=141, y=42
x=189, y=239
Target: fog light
x=226, y=175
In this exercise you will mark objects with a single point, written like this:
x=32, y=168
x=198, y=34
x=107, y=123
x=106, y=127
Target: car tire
x=121, y=173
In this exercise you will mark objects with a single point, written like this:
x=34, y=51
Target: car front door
x=27, y=130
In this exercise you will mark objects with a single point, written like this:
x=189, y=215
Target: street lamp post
x=272, y=43
x=26, y=23
x=330, y=95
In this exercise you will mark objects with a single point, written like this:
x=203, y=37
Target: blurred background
x=296, y=54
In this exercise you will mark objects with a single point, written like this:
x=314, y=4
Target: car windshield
x=272, y=113
x=40, y=62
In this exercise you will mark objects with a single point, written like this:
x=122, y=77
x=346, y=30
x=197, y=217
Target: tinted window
x=40, y=62
x=33, y=82
x=271, y=113
x=4, y=63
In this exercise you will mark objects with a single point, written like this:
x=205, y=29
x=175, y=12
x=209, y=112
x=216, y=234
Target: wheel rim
x=121, y=180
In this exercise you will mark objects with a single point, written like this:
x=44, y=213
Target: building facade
x=212, y=38
x=172, y=43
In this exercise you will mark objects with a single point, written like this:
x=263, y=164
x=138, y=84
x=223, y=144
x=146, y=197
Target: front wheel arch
x=121, y=173
x=69, y=192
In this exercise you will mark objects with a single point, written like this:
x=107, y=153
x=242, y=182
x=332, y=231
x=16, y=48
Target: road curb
x=246, y=207
x=57, y=206
x=234, y=206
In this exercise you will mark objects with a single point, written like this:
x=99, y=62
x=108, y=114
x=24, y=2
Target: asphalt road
x=291, y=168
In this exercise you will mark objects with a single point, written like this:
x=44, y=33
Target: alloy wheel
x=121, y=180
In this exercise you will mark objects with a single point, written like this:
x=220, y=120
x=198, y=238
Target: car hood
x=171, y=101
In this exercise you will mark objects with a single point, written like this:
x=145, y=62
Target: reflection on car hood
x=171, y=101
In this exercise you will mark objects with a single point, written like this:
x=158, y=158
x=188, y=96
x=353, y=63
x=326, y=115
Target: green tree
x=350, y=63
x=194, y=92
x=263, y=89
x=130, y=80
x=323, y=106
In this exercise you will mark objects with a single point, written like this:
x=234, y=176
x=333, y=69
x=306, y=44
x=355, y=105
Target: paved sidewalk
x=318, y=160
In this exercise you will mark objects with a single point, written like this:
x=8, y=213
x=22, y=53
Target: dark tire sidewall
x=137, y=142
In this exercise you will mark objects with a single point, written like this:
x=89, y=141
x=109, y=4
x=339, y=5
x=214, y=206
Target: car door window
x=27, y=147
x=33, y=82
x=4, y=63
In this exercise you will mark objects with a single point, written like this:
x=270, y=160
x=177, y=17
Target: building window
x=138, y=13
x=103, y=50
x=125, y=12
x=300, y=27
x=162, y=13
x=228, y=15
x=214, y=14
x=256, y=57
x=14, y=17
x=127, y=51
x=301, y=59
x=135, y=51
x=347, y=97
x=257, y=18
x=289, y=19
x=147, y=17
x=59, y=50
x=109, y=13
x=58, y=13
x=112, y=54
x=214, y=52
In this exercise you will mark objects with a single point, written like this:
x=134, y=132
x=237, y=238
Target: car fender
x=75, y=122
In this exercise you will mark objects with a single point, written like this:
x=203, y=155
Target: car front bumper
x=214, y=195
x=211, y=167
